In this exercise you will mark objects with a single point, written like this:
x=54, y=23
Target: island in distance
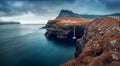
x=4, y=23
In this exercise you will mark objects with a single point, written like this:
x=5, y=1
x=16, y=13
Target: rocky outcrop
x=63, y=27
x=50, y=23
x=100, y=44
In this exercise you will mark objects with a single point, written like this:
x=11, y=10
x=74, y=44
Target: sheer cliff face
x=100, y=44
x=63, y=27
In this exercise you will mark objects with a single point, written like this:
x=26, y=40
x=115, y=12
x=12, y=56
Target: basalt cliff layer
x=63, y=27
x=100, y=44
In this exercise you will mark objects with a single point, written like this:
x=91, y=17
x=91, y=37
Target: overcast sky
x=39, y=11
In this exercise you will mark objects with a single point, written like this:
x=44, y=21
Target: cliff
x=100, y=44
x=63, y=27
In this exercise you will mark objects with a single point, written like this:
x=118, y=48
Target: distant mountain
x=68, y=13
x=2, y=23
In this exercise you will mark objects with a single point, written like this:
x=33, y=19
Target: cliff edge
x=63, y=27
x=100, y=44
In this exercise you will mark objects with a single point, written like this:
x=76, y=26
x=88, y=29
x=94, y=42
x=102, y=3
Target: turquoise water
x=26, y=45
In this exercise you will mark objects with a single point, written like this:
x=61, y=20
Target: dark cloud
x=111, y=5
x=18, y=7
x=51, y=7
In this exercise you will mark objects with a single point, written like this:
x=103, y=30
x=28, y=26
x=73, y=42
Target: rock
x=50, y=23
x=113, y=42
x=94, y=49
x=63, y=27
x=116, y=56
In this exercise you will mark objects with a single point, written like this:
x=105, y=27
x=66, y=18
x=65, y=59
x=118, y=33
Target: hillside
x=68, y=13
x=100, y=44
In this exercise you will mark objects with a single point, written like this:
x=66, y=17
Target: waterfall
x=74, y=32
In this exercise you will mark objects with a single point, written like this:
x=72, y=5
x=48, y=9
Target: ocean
x=26, y=45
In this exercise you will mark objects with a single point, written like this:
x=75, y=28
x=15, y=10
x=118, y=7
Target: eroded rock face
x=100, y=44
x=63, y=27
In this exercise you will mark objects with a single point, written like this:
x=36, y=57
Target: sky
x=40, y=11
